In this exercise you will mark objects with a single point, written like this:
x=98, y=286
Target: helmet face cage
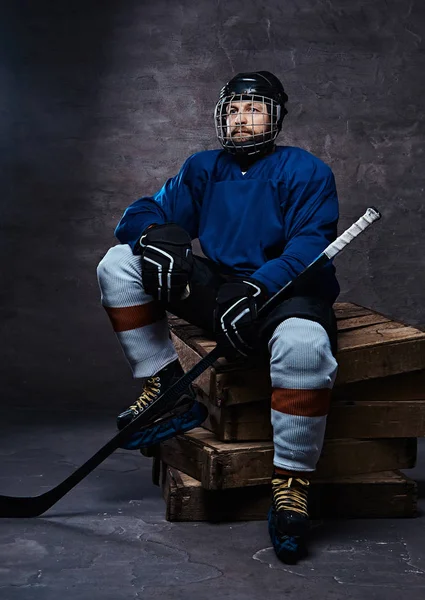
x=247, y=121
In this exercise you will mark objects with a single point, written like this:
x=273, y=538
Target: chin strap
x=246, y=161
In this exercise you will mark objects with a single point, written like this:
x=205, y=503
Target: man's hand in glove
x=237, y=306
x=167, y=261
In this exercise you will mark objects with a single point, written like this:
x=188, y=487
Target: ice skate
x=181, y=416
x=288, y=518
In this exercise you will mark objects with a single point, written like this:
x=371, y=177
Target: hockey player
x=262, y=213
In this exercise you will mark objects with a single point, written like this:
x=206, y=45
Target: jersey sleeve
x=178, y=201
x=310, y=226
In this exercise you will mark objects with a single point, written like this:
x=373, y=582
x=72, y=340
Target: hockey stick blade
x=33, y=506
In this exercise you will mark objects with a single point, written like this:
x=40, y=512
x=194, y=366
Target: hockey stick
x=33, y=506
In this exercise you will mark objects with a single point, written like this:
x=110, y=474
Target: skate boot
x=185, y=414
x=288, y=518
x=153, y=388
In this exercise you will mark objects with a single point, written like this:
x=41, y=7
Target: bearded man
x=262, y=213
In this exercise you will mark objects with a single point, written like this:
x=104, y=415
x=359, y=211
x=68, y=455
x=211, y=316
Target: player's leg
x=197, y=309
x=303, y=371
x=140, y=325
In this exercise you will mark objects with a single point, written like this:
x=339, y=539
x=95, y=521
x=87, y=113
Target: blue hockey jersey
x=268, y=223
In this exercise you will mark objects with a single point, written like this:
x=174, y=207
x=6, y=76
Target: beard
x=244, y=136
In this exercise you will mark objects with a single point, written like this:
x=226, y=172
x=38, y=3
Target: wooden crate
x=377, y=412
x=381, y=495
x=379, y=391
x=219, y=465
x=371, y=346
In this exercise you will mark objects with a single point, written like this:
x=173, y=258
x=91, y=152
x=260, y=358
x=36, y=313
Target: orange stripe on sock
x=132, y=317
x=302, y=403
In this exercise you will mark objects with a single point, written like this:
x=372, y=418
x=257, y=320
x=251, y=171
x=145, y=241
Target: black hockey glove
x=167, y=261
x=237, y=305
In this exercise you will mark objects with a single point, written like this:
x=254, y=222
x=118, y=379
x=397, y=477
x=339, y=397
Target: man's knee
x=118, y=263
x=301, y=356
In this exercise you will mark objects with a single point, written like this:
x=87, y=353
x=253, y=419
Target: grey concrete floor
x=108, y=537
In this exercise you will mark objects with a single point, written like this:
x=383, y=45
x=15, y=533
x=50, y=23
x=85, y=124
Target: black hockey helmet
x=257, y=86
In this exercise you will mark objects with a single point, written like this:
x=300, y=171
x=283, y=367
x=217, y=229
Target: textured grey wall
x=102, y=101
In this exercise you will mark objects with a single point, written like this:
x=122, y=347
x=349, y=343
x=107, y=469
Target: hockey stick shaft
x=11, y=506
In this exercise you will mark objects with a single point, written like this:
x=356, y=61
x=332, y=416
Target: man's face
x=246, y=119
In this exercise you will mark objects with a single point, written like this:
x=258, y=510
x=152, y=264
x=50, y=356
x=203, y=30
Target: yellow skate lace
x=150, y=391
x=288, y=497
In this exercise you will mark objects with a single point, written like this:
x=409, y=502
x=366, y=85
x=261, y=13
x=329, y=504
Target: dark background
x=100, y=102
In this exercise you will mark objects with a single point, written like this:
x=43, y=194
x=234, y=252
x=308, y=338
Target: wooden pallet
x=219, y=465
x=383, y=495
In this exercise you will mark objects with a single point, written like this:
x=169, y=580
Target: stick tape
x=370, y=216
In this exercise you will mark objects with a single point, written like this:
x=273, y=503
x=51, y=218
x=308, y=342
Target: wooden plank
x=188, y=333
x=384, y=495
x=351, y=419
x=220, y=465
x=348, y=310
x=360, y=322
x=206, y=382
x=377, y=335
x=360, y=456
x=241, y=387
x=239, y=422
x=404, y=386
x=393, y=358
x=379, y=419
